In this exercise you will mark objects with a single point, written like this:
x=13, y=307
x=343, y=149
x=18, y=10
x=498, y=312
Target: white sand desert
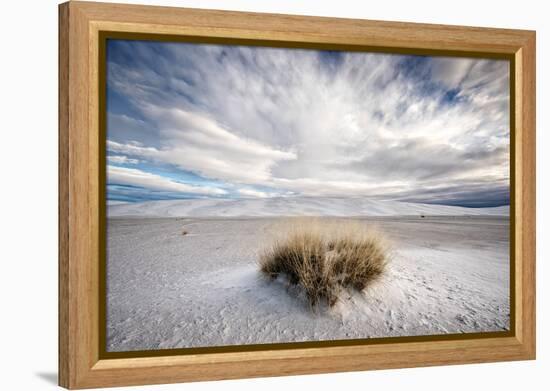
x=449, y=273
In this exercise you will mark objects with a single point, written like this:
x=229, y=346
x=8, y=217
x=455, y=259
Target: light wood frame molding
x=80, y=151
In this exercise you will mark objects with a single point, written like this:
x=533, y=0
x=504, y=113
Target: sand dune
x=447, y=275
x=293, y=206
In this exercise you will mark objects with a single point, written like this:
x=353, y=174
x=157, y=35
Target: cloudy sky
x=198, y=121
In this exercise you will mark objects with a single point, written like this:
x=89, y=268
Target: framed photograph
x=247, y=195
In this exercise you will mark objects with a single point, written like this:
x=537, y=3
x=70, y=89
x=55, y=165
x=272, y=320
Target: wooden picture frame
x=81, y=25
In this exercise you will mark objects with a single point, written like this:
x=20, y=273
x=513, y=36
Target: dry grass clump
x=325, y=257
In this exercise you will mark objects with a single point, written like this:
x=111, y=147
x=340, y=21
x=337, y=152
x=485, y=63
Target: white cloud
x=196, y=143
x=334, y=124
x=121, y=159
x=135, y=177
x=133, y=148
x=254, y=193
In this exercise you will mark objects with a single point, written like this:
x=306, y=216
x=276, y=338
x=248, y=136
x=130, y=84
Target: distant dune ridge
x=292, y=206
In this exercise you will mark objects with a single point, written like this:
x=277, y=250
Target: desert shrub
x=325, y=257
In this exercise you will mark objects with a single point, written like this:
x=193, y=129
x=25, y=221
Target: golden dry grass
x=325, y=257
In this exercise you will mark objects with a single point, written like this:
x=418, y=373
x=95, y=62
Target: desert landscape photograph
x=260, y=195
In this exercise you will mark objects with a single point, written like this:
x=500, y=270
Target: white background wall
x=28, y=199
